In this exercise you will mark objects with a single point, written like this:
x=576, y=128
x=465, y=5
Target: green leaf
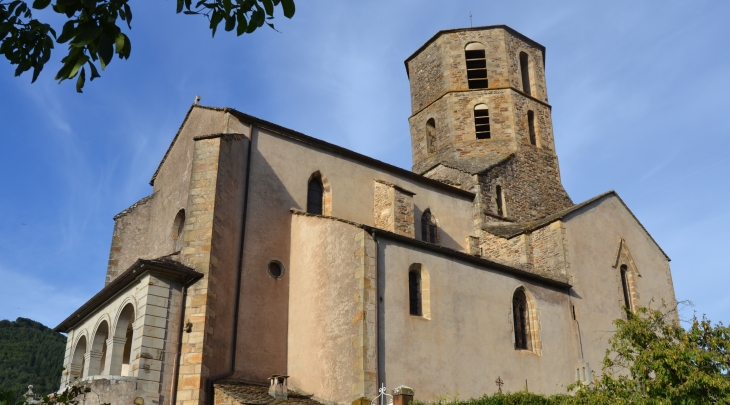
x=289, y=8
x=105, y=47
x=215, y=20
x=119, y=42
x=128, y=11
x=80, y=82
x=230, y=22
x=86, y=35
x=67, y=32
x=179, y=6
x=41, y=4
x=242, y=23
x=94, y=72
x=268, y=6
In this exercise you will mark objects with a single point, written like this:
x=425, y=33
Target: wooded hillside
x=30, y=354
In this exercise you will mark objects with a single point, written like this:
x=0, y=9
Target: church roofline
x=482, y=28
x=320, y=144
x=164, y=267
x=511, y=230
x=491, y=264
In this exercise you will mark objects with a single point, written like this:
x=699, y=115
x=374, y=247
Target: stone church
x=263, y=252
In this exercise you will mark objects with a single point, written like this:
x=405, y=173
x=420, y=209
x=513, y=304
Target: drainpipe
x=380, y=350
x=237, y=296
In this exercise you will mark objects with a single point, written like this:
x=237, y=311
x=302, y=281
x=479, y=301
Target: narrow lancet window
x=481, y=121
x=500, y=201
x=525, y=70
x=521, y=313
x=431, y=136
x=315, y=195
x=429, y=229
x=414, y=292
x=476, y=66
x=626, y=287
x=531, y=127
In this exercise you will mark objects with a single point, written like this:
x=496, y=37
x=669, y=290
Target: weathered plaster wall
x=280, y=169
x=593, y=235
x=145, y=231
x=468, y=342
x=331, y=328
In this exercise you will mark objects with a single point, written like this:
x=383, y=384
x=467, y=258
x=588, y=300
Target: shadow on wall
x=262, y=334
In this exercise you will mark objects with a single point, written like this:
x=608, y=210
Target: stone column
x=92, y=362
x=114, y=355
x=402, y=395
x=74, y=371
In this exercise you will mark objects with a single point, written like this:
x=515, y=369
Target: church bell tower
x=481, y=120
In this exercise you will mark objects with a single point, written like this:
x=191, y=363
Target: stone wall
x=393, y=208
x=542, y=251
x=550, y=251
x=196, y=254
x=531, y=186
x=129, y=237
x=111, y=390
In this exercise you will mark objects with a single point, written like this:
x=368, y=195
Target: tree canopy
x=94, y=35
x=30, y=354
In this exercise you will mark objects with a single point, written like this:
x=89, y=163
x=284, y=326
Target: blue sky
x=639, y=93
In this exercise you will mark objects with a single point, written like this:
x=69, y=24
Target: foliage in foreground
x=30, y=354
x=651, y=359
x=93, y=35
x=72, y=395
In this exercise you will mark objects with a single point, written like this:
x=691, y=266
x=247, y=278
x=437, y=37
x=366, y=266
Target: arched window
x=419, y=291
x=319, y=194
x=78, y=360
x=499, y=197
x=521, y=314
x=119, y=361
x=97, y=356
x=431, y=136
x=481, y=121
x=476, y=66
x=178, y=224
x=531, y=127
x=429, y=229
x=626, y=287
x=414, y=292
x=315, y=195
x=525, y=71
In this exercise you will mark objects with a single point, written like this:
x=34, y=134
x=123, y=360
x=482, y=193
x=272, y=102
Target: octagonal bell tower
x=480, y=108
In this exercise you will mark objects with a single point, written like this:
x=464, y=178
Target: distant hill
x=30, y=354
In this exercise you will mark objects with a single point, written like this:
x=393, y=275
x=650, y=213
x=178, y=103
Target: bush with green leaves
x=651, y=359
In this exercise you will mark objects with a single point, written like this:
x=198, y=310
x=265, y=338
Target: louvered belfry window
x=481, y=122
x=315, y=194
x=476, y=66
x=520, y=314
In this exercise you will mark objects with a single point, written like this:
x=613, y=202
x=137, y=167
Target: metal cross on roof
x=499, y=383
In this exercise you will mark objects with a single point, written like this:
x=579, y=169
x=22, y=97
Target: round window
x=276, y=269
